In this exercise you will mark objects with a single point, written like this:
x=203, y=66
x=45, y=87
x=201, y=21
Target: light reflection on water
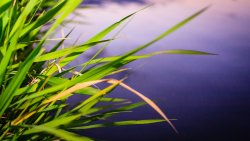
x=100, y=2
x=209, y=95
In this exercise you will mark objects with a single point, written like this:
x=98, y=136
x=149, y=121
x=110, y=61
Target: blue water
x=209, y=95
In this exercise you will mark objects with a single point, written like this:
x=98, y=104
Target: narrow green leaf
x=120, y=123
x=4, y=5
x=63, y=52
x=95, y=97
x=14, y=38
x=55, y=123
x=96, y=38
x=102, y=71
x=65, y=135
x=132, y=58
x=70, y=5
x=48, y=16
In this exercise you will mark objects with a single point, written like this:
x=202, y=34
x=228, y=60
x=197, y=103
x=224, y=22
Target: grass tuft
x=33, y=87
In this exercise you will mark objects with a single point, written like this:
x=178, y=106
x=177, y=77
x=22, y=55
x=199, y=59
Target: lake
x=209, y=95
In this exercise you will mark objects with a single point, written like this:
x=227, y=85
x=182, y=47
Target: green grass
x=33, y=86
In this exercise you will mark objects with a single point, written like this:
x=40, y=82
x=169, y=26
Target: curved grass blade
x=14, y=34
x=96, y=38
x=148, y=101
x=83, y=108
x=105, y=115
x=48, y=16
x=72, y=89
x=132, y=58
x=69, y=6
x=102, y=71
x=15, y=83
x=120, y=123
x=55, y=123
x=61, y=133
x=63, y=52
x=4, y=5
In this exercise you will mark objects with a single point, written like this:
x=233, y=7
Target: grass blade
x=149, y=102
x=61, y=133
x=120, y=123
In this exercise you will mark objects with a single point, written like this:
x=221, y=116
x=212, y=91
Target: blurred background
x=209, y=95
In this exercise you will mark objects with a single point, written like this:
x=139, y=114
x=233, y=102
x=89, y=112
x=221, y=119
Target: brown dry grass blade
x=72, y=89
x=26, y=116
x=57, y=97
x=148, y=101
x=119, y=71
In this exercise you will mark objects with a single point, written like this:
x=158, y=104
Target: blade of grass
x=120, y=123
x=131, y=58
x=45, y=18
x=66, y=51
x=72, y=89
x=61, y=133
x=148, y=101
x=102, y=71
x=96, y=38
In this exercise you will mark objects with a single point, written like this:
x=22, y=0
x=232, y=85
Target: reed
x=33, y=86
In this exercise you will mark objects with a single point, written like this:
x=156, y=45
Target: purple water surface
x=209, y=95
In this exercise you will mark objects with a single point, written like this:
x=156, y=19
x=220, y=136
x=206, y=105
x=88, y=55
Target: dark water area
x=209, y=95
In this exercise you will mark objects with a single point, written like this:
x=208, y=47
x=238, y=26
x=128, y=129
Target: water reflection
x=113, y=1
x=209, y=95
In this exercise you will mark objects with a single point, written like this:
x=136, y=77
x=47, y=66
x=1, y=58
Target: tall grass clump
x=33, y=86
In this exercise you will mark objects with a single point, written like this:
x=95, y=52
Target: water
x=209, y=95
